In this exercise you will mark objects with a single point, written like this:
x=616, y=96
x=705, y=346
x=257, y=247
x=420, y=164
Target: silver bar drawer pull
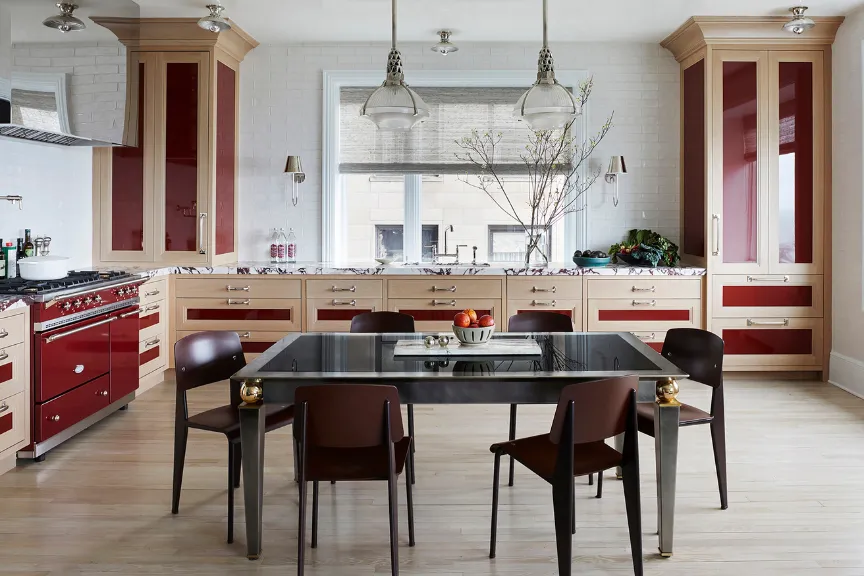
x=644, y=303
x=344, y=302
x=152, y=342
x=751, y=322
x=553, y=303
x=637, y=289
x=132, y=313
x=3, y=333
x=202, y=233
x=4, y=407
x=715, y=234
x=443, y=303
x=553, y=289
x=338, y=289
x=649, y=337
x=237, y=288
x=3, y=355
x=245, y=335
x=450, y=289
x=767, y=278
x=54, y=337
x=239, y=302
x=151, y=293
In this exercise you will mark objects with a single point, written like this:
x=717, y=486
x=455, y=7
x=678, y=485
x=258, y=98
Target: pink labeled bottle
x=292, y=247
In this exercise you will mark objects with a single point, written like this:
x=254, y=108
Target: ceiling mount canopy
x=215, y=22
x=444, y=46
x=65, y=21
x=393, y=105
x=799, y=23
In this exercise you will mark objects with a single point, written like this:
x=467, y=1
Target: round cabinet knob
x=103, y=393
x=98, y=299
x=54, y=418
x=88, y=300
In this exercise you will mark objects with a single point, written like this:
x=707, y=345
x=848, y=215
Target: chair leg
x=718, y=439
x=590, y=479
x=238, y=462
x=512, y=437
x=411, y=434
x=181, y=433
x=393, y=502
x=573, y=512
x=410, y=496
x=495, y=479
x=599, y=484
x=632, y=501
x=301, y=528
x=231, y=456
x=315, y=514
x=296, y=460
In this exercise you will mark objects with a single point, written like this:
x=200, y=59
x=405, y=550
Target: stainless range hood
x=67, y=89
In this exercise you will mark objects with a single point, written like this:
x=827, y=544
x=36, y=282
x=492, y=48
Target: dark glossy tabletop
x=348, y=356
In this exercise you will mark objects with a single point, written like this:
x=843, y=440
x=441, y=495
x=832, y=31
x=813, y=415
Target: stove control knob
x=88, y=300
x=98, y=299
x=77, y=303
x=66, y=306
x=122, y=292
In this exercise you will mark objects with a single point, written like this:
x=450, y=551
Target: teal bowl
x=591, y=262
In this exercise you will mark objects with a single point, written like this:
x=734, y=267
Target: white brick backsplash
x=28, y=61
x=119, y=60
x=101, y=69
x=280, y=102
x=98, y=51
x=74, y=61
x=51, y=52
x=94, y=88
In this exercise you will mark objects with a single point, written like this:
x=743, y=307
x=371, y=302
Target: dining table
x=438, y=372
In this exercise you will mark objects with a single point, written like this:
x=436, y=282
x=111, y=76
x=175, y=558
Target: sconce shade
x=617, y=165
x=294, y=166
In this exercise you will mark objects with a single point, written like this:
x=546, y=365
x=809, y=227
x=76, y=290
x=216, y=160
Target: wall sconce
x=617, y=167
x=14, y=199
x=294, y=168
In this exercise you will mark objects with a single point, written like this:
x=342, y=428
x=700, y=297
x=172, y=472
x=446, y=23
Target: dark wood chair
x=351, y=432
x=201, y=359
x=388, y=323
x=535, y=322
x=588, y=413
x=700, y=354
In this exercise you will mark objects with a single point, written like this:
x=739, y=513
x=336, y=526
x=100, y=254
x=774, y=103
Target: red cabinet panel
x=181, y=156
x=148, y=321
x=746, y=296
x=768, y=341
x=6, y=372
x=148, y=355
x=127, y=186
x=238, y=314
x=658, y=346
x=124, y=356
x=6, y=423
x=641, y=315
x=438, y=315
x=693, y=159
x=256, y=347
x=70, y=360
x=226, y=134
x=67, y=410
x=568, y=312
x=324, y=314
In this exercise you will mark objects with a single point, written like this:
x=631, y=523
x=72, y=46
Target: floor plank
x=100, y=504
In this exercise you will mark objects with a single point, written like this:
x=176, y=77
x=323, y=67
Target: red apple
x=461, y=320
x=471, y=314
x=485, y=321
x=474, y=325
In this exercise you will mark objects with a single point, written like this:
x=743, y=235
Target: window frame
x=333, y=215
x=491, y=229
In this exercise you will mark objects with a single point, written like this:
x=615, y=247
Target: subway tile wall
x=281, y=112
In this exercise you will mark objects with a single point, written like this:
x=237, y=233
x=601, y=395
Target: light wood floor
x=100, y=504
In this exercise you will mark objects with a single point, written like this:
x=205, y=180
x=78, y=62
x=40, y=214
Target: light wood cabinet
x=14, y=385
x=172, y=198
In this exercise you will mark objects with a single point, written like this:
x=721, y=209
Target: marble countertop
x=13, y=302
x=368, y=269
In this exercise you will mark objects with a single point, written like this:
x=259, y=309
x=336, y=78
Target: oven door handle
x=54, y=337
x=132, y=313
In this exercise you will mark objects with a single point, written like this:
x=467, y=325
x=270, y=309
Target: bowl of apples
x=471, y=330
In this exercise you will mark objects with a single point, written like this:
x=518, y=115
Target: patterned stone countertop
x=362, y=269
x=8, y=303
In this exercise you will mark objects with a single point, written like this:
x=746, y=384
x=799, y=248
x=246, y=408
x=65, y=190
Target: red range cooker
x=84, y=362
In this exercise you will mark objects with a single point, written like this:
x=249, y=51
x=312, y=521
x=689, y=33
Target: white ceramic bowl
x=44, y=267
x=384, y=261
x=473, y=336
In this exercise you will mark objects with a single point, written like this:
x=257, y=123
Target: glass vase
x=535, y=250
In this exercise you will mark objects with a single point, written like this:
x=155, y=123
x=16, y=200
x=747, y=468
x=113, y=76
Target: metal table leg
x=667, y=411
x=252, y=440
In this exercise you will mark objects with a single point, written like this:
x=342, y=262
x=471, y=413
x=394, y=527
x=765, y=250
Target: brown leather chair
x=388, y=323
x=205, y=358
x=700, y=354
x=351, y=432
x=588, y=413
x=535, y=322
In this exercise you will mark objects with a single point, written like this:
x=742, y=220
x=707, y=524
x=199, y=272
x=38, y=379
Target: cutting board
x=495, y=348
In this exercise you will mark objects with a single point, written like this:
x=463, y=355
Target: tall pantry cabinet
x=172, y=198
x=756, y=187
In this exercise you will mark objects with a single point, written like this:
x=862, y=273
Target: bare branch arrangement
x=553, y=161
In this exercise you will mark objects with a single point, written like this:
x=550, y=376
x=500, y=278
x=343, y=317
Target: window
x=507, y=244
x=390, y=241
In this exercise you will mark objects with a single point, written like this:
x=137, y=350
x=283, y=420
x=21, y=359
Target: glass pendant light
x=215, y=22
x=65, y=21
x=547, y=105
x=393, y=105
x=799, y=23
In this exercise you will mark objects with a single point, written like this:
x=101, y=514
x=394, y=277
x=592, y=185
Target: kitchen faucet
x=446, y=253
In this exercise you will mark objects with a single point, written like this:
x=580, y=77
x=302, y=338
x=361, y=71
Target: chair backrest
x=600, y=409
x=540, y=322
x=697, y=352
x=208, y=357
x=382, y=323
x=347, y=415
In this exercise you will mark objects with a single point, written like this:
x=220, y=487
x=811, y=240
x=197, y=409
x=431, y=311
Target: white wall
x=847, y=357
x=56, y=183
x=281, y=112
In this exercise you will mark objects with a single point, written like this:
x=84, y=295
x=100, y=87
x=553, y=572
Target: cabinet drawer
x=12, y=374
x=437, y=314
x=152, y=354
x=571, y=308
x=67, y=357
x=770, y=343
x=335, y=314
x=638, y=287
x=742, y=296
x=240, y=286
x=151, y=321
x=345, y=289
x=70, y=408
x=654, y=339
x=13, y=421
x=545, y=287
x=641, y=314
x=254, y=342
x=153, y=291
x=269, y=314
x=13, y=329
x=444, y=287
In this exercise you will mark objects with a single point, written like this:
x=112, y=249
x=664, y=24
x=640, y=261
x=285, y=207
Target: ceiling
x=293, y=21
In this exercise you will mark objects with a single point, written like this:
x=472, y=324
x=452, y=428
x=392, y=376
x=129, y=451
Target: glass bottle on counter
x=281, y=245
x=11, y=261
x=274, y=246
x=19, y=255
x=291, y=249
x=29, y=248
x=2, y=261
